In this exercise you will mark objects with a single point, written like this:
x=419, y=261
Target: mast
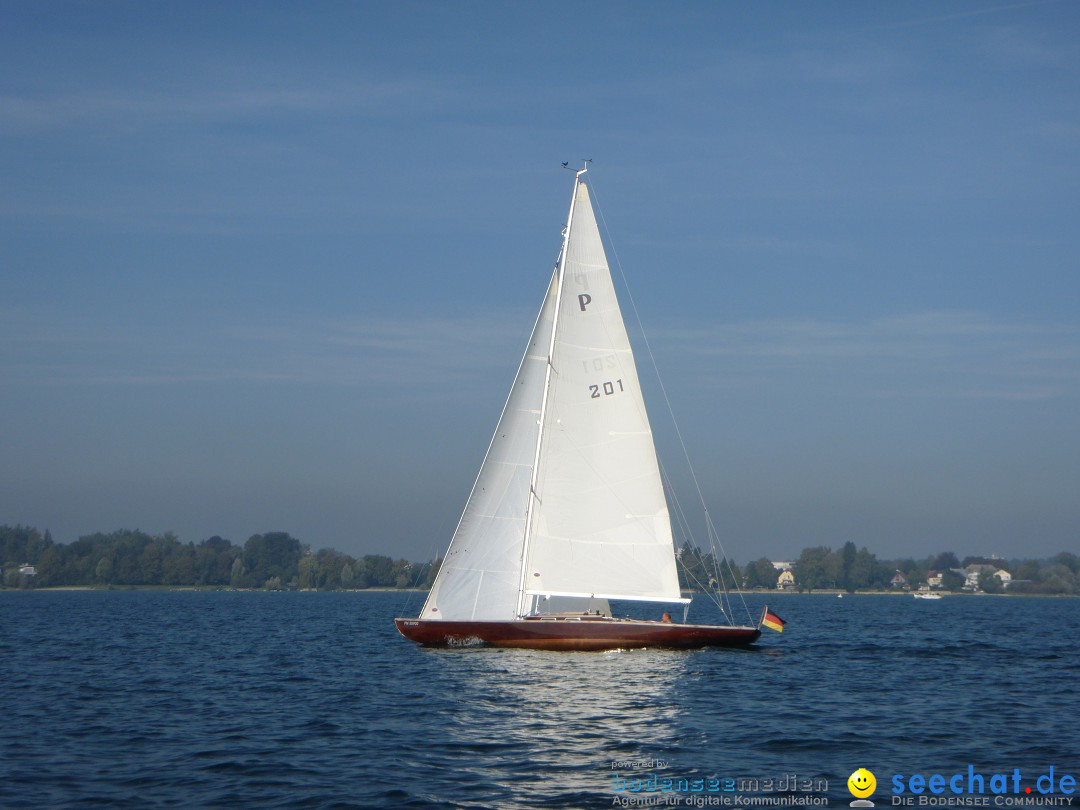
x=531, y=508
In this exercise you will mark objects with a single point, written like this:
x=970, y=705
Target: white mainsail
x=601, y=526
x=572, y=508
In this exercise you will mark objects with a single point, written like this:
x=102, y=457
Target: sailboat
x=926, y=593
x=568, y=512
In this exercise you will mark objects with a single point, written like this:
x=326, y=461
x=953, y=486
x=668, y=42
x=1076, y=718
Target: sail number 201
x=606, y=389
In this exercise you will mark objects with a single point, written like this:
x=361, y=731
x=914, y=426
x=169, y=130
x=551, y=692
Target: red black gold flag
x=772, y=621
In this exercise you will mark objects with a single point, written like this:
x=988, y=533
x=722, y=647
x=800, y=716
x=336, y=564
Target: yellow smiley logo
x=861, y=783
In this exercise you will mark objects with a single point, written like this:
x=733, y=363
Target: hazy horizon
x=239, y=542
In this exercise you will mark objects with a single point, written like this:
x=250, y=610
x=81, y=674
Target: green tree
x=274, y=554
x=431, y=571
x=1058, y=578
x=861, y=573
x=944, y=561
x=50, y=564
x=951, y=581
x=990, y=583
x=810, y=568
x=402, y=574
x=378, y=571
x=236, y=573
x=308, y=572
x=692, y=568
x=103, y=571
x=214, y=560
x=150, y=564
x=22, y=544
x=761, y=574
x=730, y=575
x=1068, y=560
x=347, y=577
x=848, y=554
x=178, y=565
x=832, y=570
x=331, y=563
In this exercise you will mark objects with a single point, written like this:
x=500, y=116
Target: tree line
x=277, y=560
x=858, y=569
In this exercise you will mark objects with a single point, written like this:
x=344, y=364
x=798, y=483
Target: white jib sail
x=480, y=575
x=601, y=525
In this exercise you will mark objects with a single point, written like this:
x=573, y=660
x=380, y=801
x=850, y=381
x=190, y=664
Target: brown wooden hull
x=563, y=634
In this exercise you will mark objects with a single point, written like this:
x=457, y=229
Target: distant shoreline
x=210, y=588
x=832, y=592
x=754, y=591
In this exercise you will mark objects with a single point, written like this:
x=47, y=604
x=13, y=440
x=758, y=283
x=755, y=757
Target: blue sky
x=270, y=266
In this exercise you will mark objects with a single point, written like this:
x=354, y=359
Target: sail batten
x=584, y=540
x=621, y=597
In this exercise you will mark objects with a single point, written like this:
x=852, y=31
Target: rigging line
x=704, y=589
x=716, y=595
x=731, y=570
x=663, y=388
x=721, y=596
x=711, y=594
x=717, y=573
x=715, y=537
x=688, y=535
x=424, y=570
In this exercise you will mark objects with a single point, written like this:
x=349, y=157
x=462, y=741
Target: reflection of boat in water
x=568, y=511
x=926, y=594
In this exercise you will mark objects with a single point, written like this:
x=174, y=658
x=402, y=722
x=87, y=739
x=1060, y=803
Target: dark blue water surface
x=228, y=699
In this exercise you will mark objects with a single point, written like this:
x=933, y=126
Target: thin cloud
x=111, y=108
x=959, y=15
x=924, y=354
x=399, y=355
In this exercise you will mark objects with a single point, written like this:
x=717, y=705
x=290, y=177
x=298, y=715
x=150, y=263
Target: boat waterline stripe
x=622, y=596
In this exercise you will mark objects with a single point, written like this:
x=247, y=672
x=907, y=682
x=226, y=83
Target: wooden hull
x=572, y=634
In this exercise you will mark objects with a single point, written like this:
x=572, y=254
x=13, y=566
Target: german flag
x=772, y=621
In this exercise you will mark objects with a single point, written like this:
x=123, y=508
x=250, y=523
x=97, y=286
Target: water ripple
x=158, y=699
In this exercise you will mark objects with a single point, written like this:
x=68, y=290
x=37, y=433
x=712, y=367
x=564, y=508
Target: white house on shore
x=972, y=573
x=786, y=578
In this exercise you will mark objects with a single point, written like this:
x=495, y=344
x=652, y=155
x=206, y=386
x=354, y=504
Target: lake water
x=228, y=699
